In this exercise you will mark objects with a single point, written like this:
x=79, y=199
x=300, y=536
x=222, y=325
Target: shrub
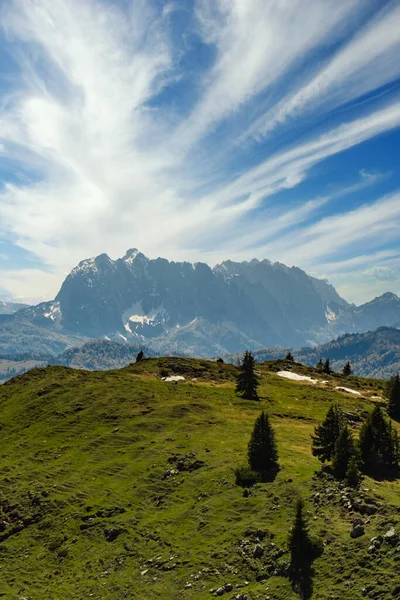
x=246, y=477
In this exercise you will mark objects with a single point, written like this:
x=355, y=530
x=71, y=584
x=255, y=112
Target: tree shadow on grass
x=302, y=580
x=269, y=476
x=379, y=473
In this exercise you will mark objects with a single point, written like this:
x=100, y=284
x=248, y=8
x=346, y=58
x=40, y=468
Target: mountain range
x=179, y=307
x=371, y=354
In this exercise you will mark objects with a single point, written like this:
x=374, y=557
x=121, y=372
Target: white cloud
x=368, y=62
x=353, y=229
x=105, y=170
x=28, y=285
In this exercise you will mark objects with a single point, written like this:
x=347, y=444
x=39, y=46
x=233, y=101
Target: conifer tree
x=139, y=356
x=347, y=371
x=289, y=357
x=327, y=367
x=393, y=395
x=319, y=365
x=353, y=473
x=247, y=381
x=366, y=442
x=299, y=539
x=262, y=450
x=344, y=452
x=379, y=441
x=326, y=435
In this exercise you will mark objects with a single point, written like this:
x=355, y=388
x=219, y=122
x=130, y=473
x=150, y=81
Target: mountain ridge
x=187, y=308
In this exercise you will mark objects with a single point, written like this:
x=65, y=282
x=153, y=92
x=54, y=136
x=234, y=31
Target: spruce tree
x=393, y=395
x=366, y=442
x=347, y=371
x=319, y=366
x=327, y=367
x=247, y=381
x=139, y=356
x=262, y=450
x=344, y=452
x=289, y=357
x=379, y=441
x=353, y=473
x=326, y=435
x=299, y=539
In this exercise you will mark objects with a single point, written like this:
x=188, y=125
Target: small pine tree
x=353, y=473
x=220, y=360
x=393, y=395
x=299, y=540
x=378, y=441
x=139, y=356
x=366, y=442
x=344, y=452
x=247, y=381
x=320, y=365
x=262, y=450
x=326, y=435
x=347, y=371
x=327, y=367
x=289, y=357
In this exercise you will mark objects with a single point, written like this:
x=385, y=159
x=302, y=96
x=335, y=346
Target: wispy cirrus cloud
x=133, y=125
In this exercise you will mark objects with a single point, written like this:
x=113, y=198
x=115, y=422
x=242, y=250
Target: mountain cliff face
x=190, y=307
x=183, y=307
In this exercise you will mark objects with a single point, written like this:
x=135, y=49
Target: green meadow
x=118, y=484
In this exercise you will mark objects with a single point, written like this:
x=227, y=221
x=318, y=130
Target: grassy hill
x=119, y=484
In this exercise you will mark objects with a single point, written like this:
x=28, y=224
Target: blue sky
x=200, y=131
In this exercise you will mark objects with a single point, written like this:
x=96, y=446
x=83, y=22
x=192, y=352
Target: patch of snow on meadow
x=174, y=378
x=345, y=389
x=296, y=377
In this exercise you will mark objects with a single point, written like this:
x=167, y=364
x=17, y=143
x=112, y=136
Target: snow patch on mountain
x=330, y=315
x=54, y=312
x=296, y=377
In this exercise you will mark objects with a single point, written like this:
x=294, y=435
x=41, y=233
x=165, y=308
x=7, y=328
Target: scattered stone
x=391, y=537
x=357, y=531
x=112, y=533
x=258, y=551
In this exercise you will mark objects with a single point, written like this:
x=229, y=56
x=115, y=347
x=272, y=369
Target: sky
x=200, y=130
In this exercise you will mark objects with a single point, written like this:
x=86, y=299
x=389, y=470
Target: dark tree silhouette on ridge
x=247, y=380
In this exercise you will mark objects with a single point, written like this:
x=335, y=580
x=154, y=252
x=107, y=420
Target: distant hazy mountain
x=100, y=355
x=8, y=308
x=175, y=307
x=371, y=354
x=20, y=336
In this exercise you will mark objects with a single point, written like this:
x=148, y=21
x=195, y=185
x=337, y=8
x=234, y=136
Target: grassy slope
x=74, y=443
